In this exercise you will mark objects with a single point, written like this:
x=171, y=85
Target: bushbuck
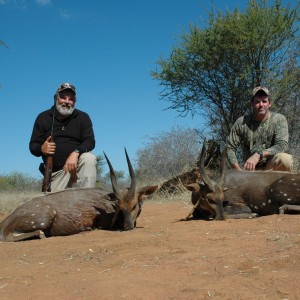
x=244, y=194
x=261, y=192
x=208, y=196
x=77, y=210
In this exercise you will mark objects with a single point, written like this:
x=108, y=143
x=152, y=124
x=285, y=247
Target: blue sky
x=107, y=49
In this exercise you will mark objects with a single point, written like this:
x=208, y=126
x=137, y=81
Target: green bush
x=17, y=181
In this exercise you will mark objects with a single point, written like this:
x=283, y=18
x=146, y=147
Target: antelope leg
x=289, y=208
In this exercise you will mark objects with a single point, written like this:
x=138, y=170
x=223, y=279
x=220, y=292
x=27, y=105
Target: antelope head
x=130, y=200
x=208, y=196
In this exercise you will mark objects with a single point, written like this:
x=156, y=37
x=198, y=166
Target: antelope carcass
x=244, y=194
x=77, y=210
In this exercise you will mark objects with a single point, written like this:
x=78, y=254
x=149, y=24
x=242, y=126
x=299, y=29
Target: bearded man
x=67, y=134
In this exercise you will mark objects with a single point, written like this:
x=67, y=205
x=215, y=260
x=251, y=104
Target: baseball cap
x=66, y=86
x=260, y=88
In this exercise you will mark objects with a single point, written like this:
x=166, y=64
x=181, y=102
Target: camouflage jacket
x=250, y=136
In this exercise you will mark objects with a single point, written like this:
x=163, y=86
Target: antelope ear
x=193, y=187
x=106, y=207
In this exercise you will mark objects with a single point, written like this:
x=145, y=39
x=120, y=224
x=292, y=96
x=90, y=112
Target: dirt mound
x=161, y=259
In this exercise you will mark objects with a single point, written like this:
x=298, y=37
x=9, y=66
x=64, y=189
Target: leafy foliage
x=213, y=70
x=17, y=181
x=2, y=43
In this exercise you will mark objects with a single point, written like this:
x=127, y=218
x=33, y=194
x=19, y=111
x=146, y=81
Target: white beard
x=65, y=111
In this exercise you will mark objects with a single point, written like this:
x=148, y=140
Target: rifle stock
x=48, y=173
x=49, y=162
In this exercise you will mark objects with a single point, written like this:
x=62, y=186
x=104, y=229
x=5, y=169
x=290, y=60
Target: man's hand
x=236, y=166
x=48, y=148
x=251, y=162
x=71, y=163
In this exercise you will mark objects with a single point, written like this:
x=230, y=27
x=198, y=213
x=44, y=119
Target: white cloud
x=64, y=14
x=19, y=4
x=22, y=3
x=42, y=2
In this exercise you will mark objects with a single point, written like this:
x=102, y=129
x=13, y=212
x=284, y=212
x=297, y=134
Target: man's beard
x=65, y=111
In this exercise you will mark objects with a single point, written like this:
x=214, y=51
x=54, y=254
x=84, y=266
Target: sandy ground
x=161, y=259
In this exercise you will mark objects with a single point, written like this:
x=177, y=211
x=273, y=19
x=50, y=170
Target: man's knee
x=282, y=162
x=87, y=165
x=88, y=158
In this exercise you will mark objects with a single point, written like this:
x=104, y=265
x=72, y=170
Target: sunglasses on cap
x=66, y=86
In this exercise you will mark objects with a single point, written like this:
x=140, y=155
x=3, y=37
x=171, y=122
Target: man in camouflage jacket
x=262, y=136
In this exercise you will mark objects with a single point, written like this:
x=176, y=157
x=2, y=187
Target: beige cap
x=260, y=88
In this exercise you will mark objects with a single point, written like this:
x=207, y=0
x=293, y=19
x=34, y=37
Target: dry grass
x=11, y=200
x=179, y=195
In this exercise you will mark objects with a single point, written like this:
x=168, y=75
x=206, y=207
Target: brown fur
x=208, y=196
x=248, y=194
x=76, y=210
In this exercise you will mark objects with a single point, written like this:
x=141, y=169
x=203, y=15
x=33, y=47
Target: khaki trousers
x=86, y=175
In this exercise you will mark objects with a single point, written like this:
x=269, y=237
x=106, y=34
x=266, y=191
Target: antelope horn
x=131, y=191
x=113, y=178
x=210, y=183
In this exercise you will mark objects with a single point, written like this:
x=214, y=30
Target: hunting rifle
x=49, y=162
